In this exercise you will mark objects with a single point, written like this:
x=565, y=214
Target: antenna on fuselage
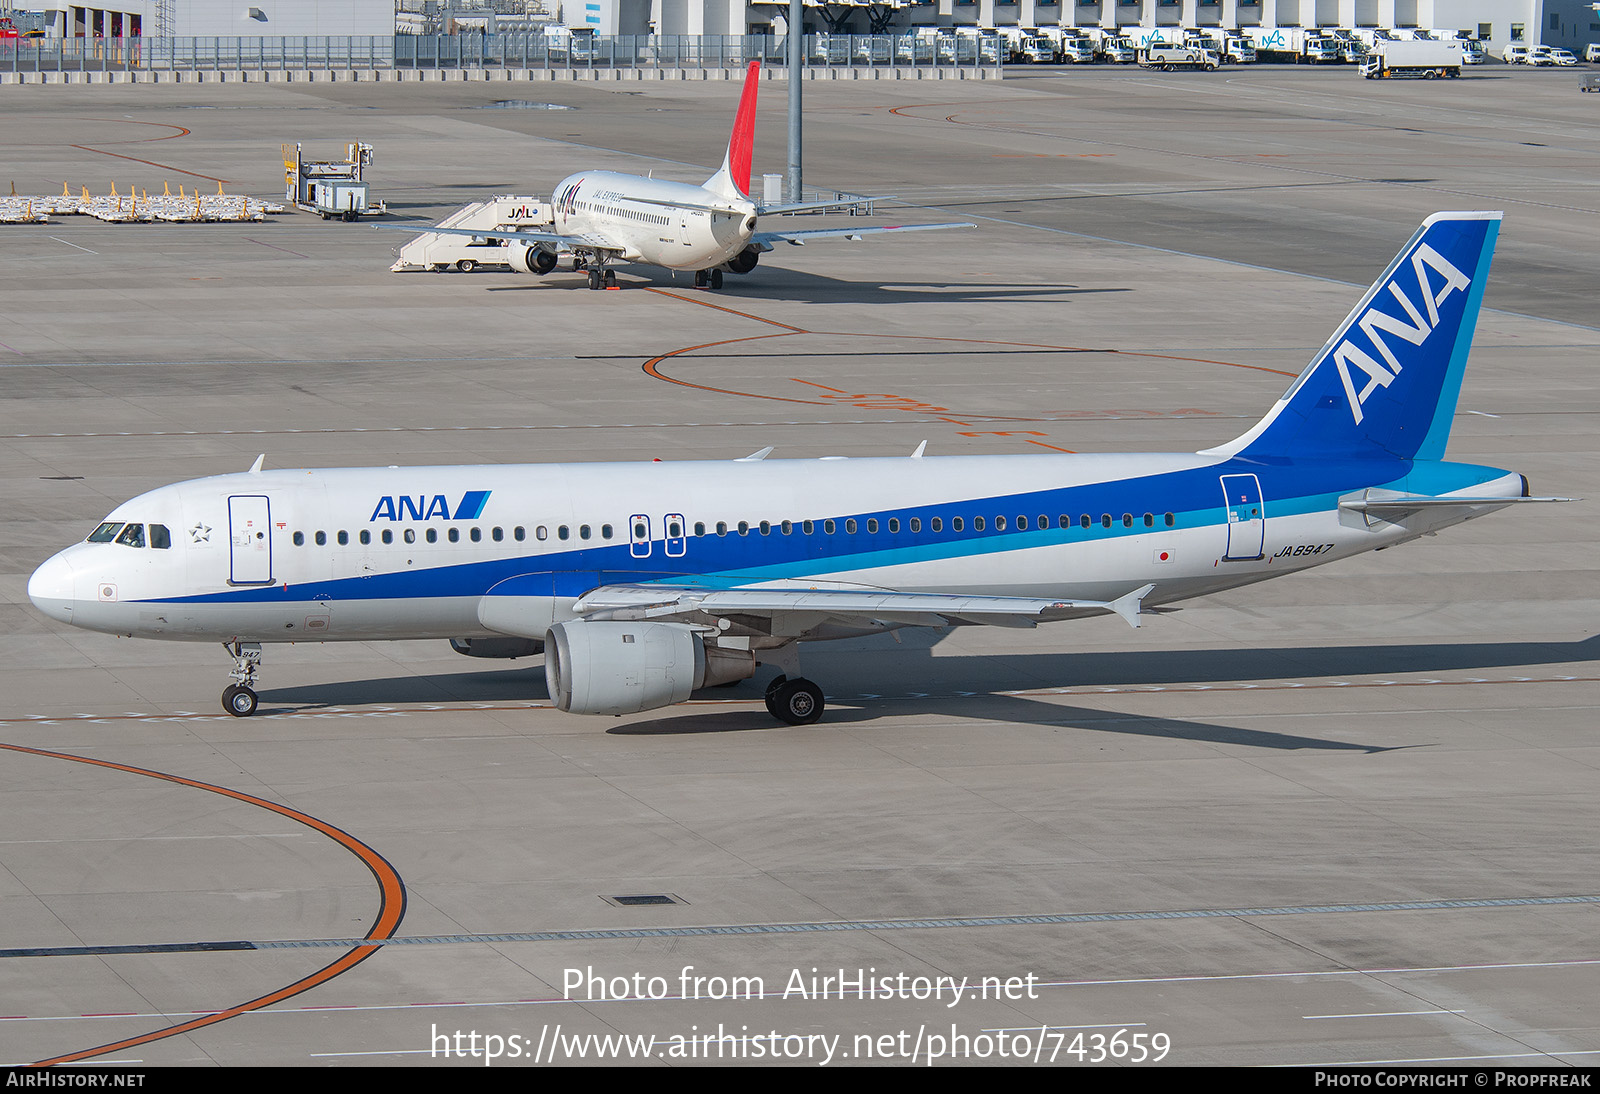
x=255, y=468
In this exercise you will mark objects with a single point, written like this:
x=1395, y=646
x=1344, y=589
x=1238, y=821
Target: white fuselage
x=388, y=553
x=673, y=224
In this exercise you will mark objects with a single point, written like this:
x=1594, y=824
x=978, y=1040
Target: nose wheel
x=239, y=698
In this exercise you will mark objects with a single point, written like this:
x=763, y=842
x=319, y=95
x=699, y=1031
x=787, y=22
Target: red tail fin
x=741, y=145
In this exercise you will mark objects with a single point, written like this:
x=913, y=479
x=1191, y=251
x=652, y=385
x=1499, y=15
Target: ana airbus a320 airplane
x=605, y=217
x=641, y=582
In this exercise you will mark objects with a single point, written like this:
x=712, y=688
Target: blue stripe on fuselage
x=1194, y=495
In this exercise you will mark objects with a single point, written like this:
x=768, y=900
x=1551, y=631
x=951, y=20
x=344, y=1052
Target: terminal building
x=215, y=18
x=1571, y=24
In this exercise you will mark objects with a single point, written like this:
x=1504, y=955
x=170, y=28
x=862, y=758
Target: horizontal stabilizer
x=801, y=237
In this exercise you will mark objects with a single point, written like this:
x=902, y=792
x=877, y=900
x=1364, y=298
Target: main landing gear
x=708, y=278
x=798, y=702
x=239, y=698
x=601, y=278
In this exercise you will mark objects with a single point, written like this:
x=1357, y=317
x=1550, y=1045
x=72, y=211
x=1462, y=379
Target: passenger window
x=299, y=539
x=160, y=538
x=132, y=536
x=766, y=527
x=106, y=532
x=699, y=527
x=583, y=531
x=722, y=527
x=321, y=537
x=937, y=524
x=431, y=535
x=744, y=528
x=1149, y=520
x=894, y=524
x=411, y=535
x=1170, y=520
x=786, y=528
x=957, y=524
x=541, y=533
x=977, y=524
x=520, y=533
x=1127, y=520
x=916, y=524
x=808, y=527
x=872, y=526
x=366, y=537
x=498, y=535
x=388, y=536
x=563, y=533
x=1022, y=524
x=999, y=524
x=344, y=538
x=828, y=527
x=453, y=535
x=1105, y=520
x=1083, y=521
x=850, y=527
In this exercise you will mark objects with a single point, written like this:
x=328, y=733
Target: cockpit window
x=132, y=536
x=161, y=539
x=106, y=532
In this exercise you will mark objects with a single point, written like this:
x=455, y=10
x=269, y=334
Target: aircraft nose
x=51, y=588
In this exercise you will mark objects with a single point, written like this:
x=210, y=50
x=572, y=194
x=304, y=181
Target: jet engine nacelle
x=744, y=261
x=504, y=648
x=529, y=258
x=612, y=667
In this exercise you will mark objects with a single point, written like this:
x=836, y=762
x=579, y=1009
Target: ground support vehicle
x=1424, y=60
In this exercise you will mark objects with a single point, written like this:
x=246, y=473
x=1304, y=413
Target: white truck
x=1116, y=47
x=436, y=252
x=1077, y=49
x=1302, y=45
x=1170, y=58
x=1231, y=47
x=1420, y=59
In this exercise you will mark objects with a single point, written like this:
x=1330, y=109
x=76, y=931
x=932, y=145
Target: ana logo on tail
x=1375, y=323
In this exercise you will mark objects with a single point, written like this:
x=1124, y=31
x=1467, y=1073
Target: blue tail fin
x=1386, y=383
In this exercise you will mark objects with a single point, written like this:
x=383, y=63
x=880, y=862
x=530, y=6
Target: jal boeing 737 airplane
x=642, y=582
x=605, y=217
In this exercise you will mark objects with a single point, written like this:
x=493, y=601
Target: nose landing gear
x=239, y=698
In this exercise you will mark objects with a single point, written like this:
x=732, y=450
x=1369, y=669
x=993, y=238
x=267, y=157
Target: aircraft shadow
x=976, y=686
x=792, y=286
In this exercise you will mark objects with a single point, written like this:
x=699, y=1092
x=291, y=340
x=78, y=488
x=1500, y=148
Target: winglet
x=1127, y=605
x=255, y=468
x=733, y=180
x=758, y=454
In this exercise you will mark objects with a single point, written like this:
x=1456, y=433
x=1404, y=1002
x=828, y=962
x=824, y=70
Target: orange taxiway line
x=391, y=906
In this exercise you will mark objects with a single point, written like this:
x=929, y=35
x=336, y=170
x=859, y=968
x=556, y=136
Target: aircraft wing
x=818, y=206
x=765, y=240
x=797, y=610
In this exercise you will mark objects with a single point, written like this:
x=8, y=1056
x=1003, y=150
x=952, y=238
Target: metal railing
x=522, y=50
